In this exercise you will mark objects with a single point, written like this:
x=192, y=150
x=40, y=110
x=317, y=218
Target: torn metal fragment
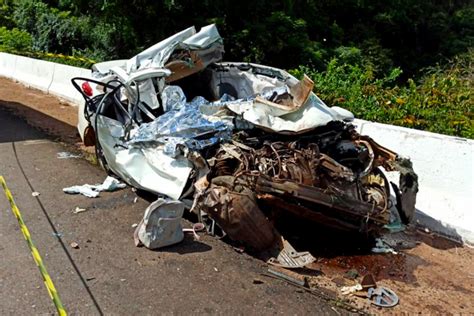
x=289, y=258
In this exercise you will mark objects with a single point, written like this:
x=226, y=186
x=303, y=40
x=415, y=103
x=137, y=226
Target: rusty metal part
x=381, y=154
x=274, y=159
x=289, y=275
x=335, y=169
x=313, y=214
x=368, y=281
x=408, y=183
x=299, y=95
x=331, y=177
x=89, y=136
x=342, y=203
x=239, y=216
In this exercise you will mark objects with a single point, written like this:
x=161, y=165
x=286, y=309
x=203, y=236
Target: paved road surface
x=108, y=274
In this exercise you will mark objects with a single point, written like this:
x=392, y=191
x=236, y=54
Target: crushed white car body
x=238, y=139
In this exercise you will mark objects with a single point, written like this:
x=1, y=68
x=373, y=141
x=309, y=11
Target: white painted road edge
x=444, y=164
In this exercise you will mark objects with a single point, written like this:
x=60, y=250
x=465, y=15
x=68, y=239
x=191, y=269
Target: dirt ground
x=430, y=275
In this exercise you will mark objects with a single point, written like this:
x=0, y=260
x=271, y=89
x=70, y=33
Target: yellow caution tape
x=34, y=251
x=52, y=55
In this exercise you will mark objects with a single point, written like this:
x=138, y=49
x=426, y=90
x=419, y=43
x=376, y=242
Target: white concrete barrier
x=445, y=167
x=34, y=73
x=47, y=76
x=61, y=85
x=7, y=65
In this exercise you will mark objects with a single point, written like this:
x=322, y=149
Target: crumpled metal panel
x=249, y=81
x=173, y=98
x=185, y=126
x=144, y=168
x=157, y=55
x=312, y=114
x=148, y=94
x=407, y=188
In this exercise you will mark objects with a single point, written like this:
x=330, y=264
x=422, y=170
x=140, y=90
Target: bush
x=14, y=40
x=6, y=15
x=441, y=102
x=53, y=30
x=20, y=42
x=61, y=32
x=287, y=44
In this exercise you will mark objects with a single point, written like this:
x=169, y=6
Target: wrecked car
x=238, y=144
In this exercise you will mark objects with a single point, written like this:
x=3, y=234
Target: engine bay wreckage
x=238, y=144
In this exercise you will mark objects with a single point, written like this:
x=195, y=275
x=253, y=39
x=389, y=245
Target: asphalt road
x=107, y=274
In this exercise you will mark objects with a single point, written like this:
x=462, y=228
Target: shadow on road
x=10, y=132
x=187, y=246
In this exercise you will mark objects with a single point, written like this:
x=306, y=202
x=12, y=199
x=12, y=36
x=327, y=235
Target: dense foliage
x=442, y=101
x=406, y=62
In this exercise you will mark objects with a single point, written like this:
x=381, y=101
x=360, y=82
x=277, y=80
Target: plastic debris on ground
x=368, y=288
x=346, y=290
x=92, y=191
x=161, y=224
x=67, y=155
x=79, y=210
x=382, y=247
x=382, y=297
x=197, y=227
